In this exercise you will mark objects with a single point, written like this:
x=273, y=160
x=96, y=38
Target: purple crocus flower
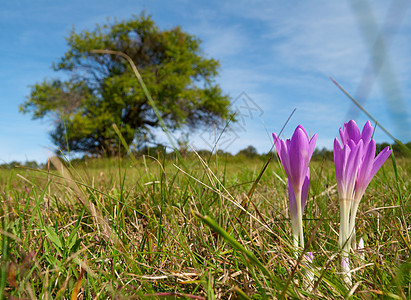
x=295, y=155
x=355, y=166
x=368, y=168
x=364, y=169
x=346, y=162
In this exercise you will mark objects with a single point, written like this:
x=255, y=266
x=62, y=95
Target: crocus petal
x=346, y=171
x=300, y=127
x=311, y=142
x=353, y=161
x=346, y=151
x=353, y=131
x=364, y=173
x=344, y=134
x=344, y=138
x=285, y=158
x=282, y=153
x=287, y=143
x=304, y=191
x=299, y=158
x=367, y=132
x=338, y=162
x=380, y=160
x=291, y=201
x=277, y=142
x=338, y=159
x=312, y=146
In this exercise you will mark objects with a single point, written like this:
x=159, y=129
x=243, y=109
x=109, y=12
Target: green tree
x=249, y=152
x=101, y=89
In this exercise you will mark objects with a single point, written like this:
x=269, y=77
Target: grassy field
x=157, y=228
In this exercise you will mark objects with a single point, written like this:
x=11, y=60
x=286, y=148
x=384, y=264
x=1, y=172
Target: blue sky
x=275, y=56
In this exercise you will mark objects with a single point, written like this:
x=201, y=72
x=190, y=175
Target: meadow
x=197, y=227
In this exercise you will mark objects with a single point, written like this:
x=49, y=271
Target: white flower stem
x=344, y=238
x=300, y=217
x=344, y=221
x=351, y=232
x=295, y=234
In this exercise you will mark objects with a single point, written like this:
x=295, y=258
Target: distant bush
x=32, y=164
x=403, y=150
x=249, y=152
x=323, y=154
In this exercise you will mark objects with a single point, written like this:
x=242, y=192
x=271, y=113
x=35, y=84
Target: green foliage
x=101, y=89
x=400, y=150
x=248, y=152
x=32, y=164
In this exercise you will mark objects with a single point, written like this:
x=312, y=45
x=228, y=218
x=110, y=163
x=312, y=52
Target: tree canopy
x=101, y=89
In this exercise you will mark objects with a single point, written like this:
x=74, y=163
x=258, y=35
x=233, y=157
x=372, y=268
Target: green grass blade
x=3, y=261
x=236, y=245
x=54, y=238
x=240, y=294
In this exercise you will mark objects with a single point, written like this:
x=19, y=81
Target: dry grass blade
x=101, y=223
x=77, y=287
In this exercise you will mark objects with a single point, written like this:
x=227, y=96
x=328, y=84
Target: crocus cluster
x=295, y=155
x=355, y=166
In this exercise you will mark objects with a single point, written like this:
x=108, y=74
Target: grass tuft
x=152, y=227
